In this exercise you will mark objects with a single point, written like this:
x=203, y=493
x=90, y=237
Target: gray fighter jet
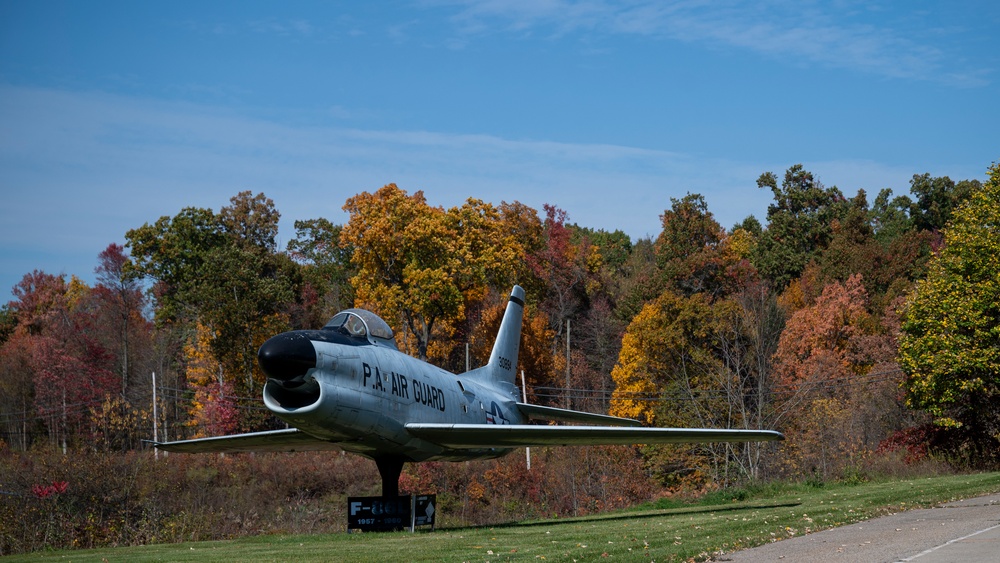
x=347, y=387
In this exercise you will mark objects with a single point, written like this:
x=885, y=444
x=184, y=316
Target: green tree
x=221, y=270
x=8, y=322
x=326, y=272
x=688, y=248
x=891, y=217
x=250, y=221
x=950, y=347
x=639, y=282
x=173, y=251
x=937, y=199
x=242, y=305
x=799, y=223
x=891, y=257
x=614, y=247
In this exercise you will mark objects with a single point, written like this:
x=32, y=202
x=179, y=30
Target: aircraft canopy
x=360, y=323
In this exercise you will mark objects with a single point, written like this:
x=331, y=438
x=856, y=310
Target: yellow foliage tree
x=686, y=362
x=633, y=374
x=667, y=347
x=535, y=355
x=119, y=425
x=212, y=409
x=420, y=266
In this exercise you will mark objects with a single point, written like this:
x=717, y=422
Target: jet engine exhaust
x=286, y=358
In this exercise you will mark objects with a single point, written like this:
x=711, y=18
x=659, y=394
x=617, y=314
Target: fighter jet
x=347, y=387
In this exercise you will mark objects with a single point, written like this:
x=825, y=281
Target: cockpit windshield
x=359, y=323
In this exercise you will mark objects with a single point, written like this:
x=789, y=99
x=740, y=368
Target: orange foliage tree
x=837, y=383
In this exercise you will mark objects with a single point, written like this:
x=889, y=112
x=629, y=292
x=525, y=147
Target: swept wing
x=478, y=436
x=290, y=440
x=474, y=436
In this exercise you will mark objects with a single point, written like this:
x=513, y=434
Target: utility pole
x=65, y=429
x=524, y=397
x=567, y=363
x=156, y=437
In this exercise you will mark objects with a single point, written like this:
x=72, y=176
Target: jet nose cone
x=287, y=356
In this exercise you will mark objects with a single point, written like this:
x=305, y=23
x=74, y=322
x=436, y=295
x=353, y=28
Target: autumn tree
x=421, y=264
x=834, y=362
x=814, y=346
x=749, y=333
x=62, y=366
x=689, y=361
x=17, y=388
x=535, y=355
x=563, y=268
x=597, y=339
x=38, y=306
x=522, y=224
x=639, y=282
x=950, y=348
x=122, y=300
x=213, y=410
x=119, y=425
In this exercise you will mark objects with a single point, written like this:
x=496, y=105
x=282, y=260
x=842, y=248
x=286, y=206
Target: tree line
x=856, y=328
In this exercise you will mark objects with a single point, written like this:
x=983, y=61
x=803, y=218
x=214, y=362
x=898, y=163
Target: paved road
x=963, y=531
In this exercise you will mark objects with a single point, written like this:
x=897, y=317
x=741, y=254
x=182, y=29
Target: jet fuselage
x=361, y=393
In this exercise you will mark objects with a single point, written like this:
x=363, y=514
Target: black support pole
x=390, y=467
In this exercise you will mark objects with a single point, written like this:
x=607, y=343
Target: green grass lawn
x=665, y=531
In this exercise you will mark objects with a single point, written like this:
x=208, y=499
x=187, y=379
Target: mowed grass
x=670, y=530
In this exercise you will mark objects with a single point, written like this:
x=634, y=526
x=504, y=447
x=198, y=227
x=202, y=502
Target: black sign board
x=374, y=514
x=423, y=511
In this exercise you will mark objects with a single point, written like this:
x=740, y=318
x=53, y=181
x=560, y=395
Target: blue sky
x=113, y=114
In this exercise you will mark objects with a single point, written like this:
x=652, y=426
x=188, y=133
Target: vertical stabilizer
x=503, y=360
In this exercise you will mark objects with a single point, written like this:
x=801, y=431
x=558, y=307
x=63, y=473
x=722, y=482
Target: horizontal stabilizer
x=539, y=412
x=289, y=440
x=473, y=436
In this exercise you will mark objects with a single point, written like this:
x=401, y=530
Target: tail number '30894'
x=504, y=363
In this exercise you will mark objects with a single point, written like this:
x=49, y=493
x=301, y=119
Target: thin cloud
x=841, y=36
x=83, y=168
x=297, y=27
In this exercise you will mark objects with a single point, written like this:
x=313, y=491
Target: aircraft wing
x=474, y=436
x=289, y=440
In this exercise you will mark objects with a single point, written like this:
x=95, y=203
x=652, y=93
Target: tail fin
x=503, y=360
